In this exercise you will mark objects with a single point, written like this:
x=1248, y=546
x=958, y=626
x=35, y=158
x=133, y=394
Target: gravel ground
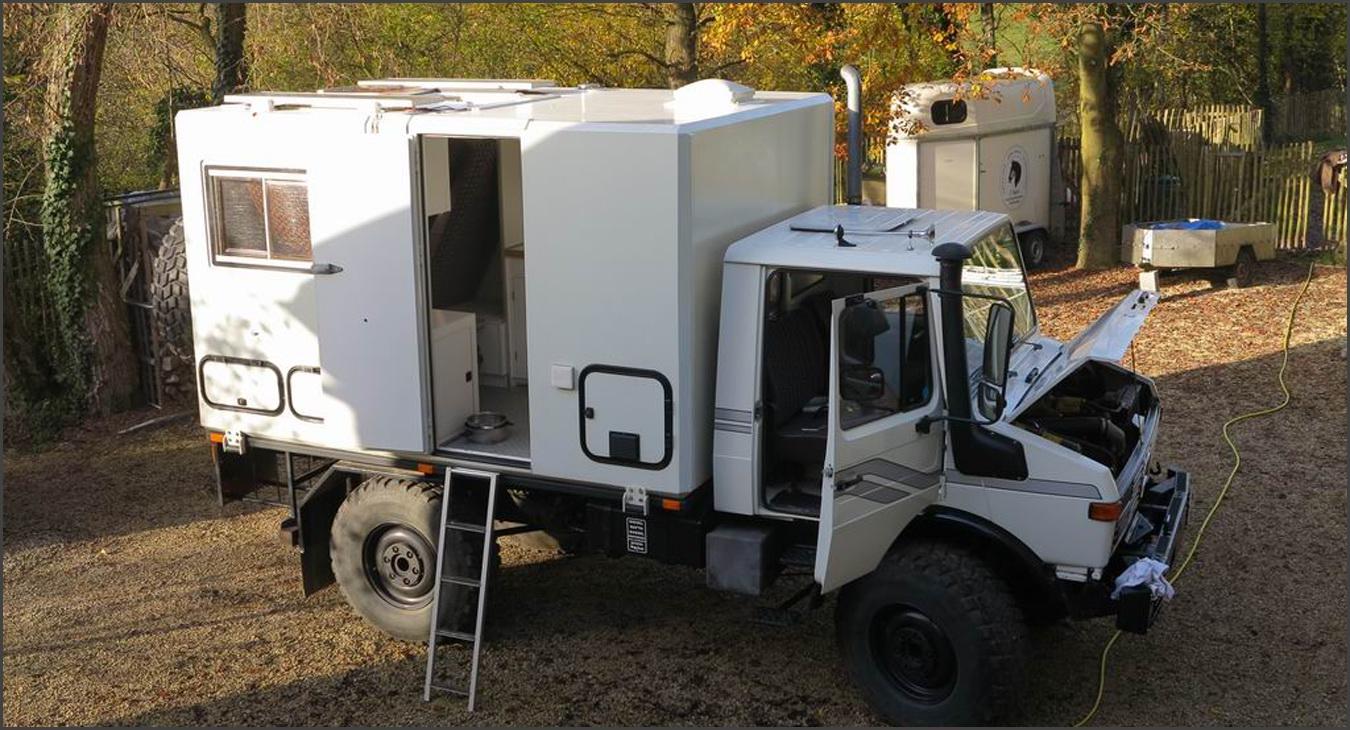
x=131, y=598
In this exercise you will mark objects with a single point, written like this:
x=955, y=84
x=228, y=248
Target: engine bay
x=1097, y=411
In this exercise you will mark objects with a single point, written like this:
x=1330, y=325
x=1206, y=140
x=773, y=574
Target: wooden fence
x=1185, y=177
x=1309, y=115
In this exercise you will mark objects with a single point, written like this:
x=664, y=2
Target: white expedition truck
x=716, y=368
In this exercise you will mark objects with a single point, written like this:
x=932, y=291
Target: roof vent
x=713, y=92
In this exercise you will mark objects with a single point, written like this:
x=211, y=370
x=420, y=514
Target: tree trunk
x=1263, y=99
x=990, y=24
x=1102, y=143
x=231, y=70
x=96, y=366
x=681, y=44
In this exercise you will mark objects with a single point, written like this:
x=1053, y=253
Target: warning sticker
x=637, y=535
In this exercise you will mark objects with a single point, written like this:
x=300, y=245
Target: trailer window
x=949, y=111
x=259, y=216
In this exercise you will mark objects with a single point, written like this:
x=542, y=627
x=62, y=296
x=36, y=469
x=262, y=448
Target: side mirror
x=998, y=341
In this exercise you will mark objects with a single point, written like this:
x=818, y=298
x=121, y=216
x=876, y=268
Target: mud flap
x=315, y=521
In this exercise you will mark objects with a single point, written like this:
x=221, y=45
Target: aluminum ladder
x=478, y=584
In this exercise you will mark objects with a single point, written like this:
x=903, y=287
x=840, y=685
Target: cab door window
x=884, y=358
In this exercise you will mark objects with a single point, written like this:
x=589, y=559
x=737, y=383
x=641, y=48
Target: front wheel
x=933, y=637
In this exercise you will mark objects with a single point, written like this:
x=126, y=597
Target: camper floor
x=514, y=403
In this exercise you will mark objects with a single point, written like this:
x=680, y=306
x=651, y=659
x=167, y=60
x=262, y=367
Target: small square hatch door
x=626, y=416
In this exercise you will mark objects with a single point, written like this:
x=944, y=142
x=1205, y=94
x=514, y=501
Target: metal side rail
x=475, y=583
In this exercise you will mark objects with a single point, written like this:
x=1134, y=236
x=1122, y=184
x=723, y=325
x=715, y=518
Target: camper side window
x=259, y=217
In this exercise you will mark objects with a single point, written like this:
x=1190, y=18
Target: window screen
x=259, y=216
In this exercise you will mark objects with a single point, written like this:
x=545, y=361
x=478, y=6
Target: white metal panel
x=897, y=469
x=601, y=275
x=902, y=174
x=949, y=174
x=454, y=365
x=624, y=403
x=372, y=316
x=1015, y=175
x=252, y=385
x=736, y=435
x=742, y=177
x=255, y=312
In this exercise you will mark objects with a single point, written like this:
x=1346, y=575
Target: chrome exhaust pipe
x=853, y=176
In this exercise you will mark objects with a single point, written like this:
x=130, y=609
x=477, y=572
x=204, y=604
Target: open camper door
x=367, y=280
x=880, y=471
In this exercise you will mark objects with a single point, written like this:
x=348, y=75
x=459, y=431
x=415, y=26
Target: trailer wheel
x=171, y=315
x=933, y=637
x=1033, y=248
x=383, y=546
x=1244, y=270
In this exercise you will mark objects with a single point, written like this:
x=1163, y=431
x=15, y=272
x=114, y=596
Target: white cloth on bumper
x=1146, y=571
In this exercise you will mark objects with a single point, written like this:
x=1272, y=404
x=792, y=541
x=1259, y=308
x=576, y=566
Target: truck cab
x=883, y=379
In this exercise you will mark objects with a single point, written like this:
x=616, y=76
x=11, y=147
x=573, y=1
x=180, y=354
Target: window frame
x=215, y=222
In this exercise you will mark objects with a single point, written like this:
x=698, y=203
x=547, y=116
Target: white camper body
x=608, y=213
x=698, y=360
x=990, y=148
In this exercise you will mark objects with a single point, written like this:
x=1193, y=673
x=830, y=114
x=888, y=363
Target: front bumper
x=1154, y=533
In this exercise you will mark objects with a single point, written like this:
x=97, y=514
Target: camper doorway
x=474, y=222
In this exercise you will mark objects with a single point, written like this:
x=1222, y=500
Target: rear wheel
x=383, y=546
x=1034, y=244
x=933, y=637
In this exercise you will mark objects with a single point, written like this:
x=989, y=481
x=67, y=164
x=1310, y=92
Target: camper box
x=959, y=147
x=362, y=261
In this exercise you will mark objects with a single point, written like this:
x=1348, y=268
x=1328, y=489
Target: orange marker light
x=672, y=505
x=1106, y=511
x=426, y=468
x=217, y=438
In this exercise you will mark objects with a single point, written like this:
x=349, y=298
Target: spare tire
x=171, y=316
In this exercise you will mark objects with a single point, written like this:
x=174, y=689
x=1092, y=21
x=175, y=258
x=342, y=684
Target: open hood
x=1106, y=339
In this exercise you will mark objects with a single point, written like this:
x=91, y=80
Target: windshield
x=995, y=269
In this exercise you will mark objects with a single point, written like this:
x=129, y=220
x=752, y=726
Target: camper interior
x=474, y=234
x=884, y=363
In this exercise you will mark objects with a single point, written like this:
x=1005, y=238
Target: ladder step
x=470, y=582
x=464, y=526
x=450, y=689
x=448, y=634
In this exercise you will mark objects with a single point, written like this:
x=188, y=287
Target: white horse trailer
x=983, y=144
x=428, y=312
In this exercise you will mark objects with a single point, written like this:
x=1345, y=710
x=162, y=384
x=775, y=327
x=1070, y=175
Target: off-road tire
x=970, y=605
x=171, y=315
x=370, y=510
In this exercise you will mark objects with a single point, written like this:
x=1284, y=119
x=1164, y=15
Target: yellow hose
x=1223, y=492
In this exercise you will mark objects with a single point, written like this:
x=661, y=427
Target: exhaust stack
x=853, y=178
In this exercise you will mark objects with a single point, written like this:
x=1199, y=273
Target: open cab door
x=880, y=470
x=368, y=269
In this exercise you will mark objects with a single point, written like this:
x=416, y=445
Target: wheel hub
x=398, y=563
x=914, y=653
